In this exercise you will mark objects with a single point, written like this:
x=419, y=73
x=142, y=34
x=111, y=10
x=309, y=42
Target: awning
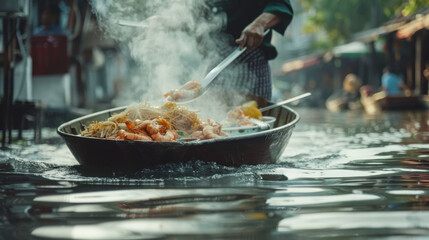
x=354, y=49
x=373, y=34
x=407, y=30
x=406, y=27
x=300, y=63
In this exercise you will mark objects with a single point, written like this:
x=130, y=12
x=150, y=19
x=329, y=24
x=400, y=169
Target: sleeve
x=283, y=9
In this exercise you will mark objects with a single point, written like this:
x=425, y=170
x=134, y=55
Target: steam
x=165, y=49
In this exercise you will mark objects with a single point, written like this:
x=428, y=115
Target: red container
x=49, y=54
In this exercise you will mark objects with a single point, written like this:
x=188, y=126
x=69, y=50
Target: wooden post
x=418, y=65
x=372, y=76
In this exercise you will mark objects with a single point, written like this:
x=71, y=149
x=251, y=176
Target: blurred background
x=75, y=68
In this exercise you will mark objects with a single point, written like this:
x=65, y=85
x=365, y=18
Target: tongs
x=284, y=102
x=208, y=79
x=127, y=23
x=263, y=125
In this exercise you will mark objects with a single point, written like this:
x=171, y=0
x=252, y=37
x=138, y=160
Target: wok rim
x=194, y=142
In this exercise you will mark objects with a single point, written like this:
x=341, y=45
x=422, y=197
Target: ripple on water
x=356, y=220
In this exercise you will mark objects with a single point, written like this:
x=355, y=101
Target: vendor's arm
x=253, y=35
x=277, y=15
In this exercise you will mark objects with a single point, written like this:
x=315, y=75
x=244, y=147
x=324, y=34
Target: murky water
x=349, y=175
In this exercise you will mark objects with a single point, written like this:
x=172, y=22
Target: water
x=348, y=175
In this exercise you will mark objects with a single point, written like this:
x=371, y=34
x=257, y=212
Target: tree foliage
x=340, y=19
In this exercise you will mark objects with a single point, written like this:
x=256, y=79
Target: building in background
x=399, y=43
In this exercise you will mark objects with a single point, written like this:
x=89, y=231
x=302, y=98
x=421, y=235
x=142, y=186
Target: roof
x=354, y=49
x=406, y=27
x=298, y=64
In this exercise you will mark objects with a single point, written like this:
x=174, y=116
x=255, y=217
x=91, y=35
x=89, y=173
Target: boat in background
x=381, y=102
x=402, y=102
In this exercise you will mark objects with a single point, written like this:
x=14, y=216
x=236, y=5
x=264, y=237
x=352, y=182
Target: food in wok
x=242, y=116
x=146, y=123
x=251, y=110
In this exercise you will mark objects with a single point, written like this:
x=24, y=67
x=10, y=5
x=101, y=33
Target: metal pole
x=11, y=52
x=5, y=100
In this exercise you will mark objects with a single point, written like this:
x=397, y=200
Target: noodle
x=142, y=122
x=106, y=129
x=181, y=118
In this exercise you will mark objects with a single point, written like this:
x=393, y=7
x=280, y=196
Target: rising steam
x=166, y=48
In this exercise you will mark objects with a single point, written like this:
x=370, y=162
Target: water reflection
x=214, y=226
x=321, y=200
x=155, y=213
x=384, y=221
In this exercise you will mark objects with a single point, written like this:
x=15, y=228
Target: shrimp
x=140, y=128
x=238, y=118
x=188, y=90
x=132, y=136
x=156, y=129
x=197, y=134
x=210, y=130
x=160, y=130
x=159, y=125
x=168, y=136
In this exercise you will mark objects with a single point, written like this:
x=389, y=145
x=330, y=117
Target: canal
x=343, y=175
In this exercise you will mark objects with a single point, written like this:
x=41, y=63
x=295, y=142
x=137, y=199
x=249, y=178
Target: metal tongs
x=284, y=102
x=263, y=125
x=208, y=79
x=127, y=23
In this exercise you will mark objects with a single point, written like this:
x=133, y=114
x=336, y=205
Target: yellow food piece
x=251, y=110
x=249, y=104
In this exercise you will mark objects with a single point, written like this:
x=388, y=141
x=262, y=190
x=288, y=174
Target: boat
x=381, y=102
x=402, y=102
x=263, y=147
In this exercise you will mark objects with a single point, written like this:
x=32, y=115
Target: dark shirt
x=241, y=13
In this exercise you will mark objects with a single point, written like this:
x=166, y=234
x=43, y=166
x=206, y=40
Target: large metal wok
x=263, y=147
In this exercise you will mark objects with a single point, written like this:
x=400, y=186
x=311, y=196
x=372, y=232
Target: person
x=392, y=84
x=245, y=24
x=50, y=22
x=426, y=71
x=371, y=100
x=426, y=76
x=348, y=97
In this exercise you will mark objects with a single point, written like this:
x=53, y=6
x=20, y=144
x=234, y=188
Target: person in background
x=370, y=99
x=50, y=22
x=348, y=97
x=426, y=72
x=392, y=84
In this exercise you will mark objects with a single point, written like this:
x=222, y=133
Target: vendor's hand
x=251, y=37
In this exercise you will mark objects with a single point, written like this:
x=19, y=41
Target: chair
x=51, y=64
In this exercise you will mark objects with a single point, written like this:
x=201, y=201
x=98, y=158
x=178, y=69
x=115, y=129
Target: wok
x=263, y=147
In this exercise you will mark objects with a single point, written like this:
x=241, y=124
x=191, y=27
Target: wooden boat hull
x=255, y=148
x=402, y=102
